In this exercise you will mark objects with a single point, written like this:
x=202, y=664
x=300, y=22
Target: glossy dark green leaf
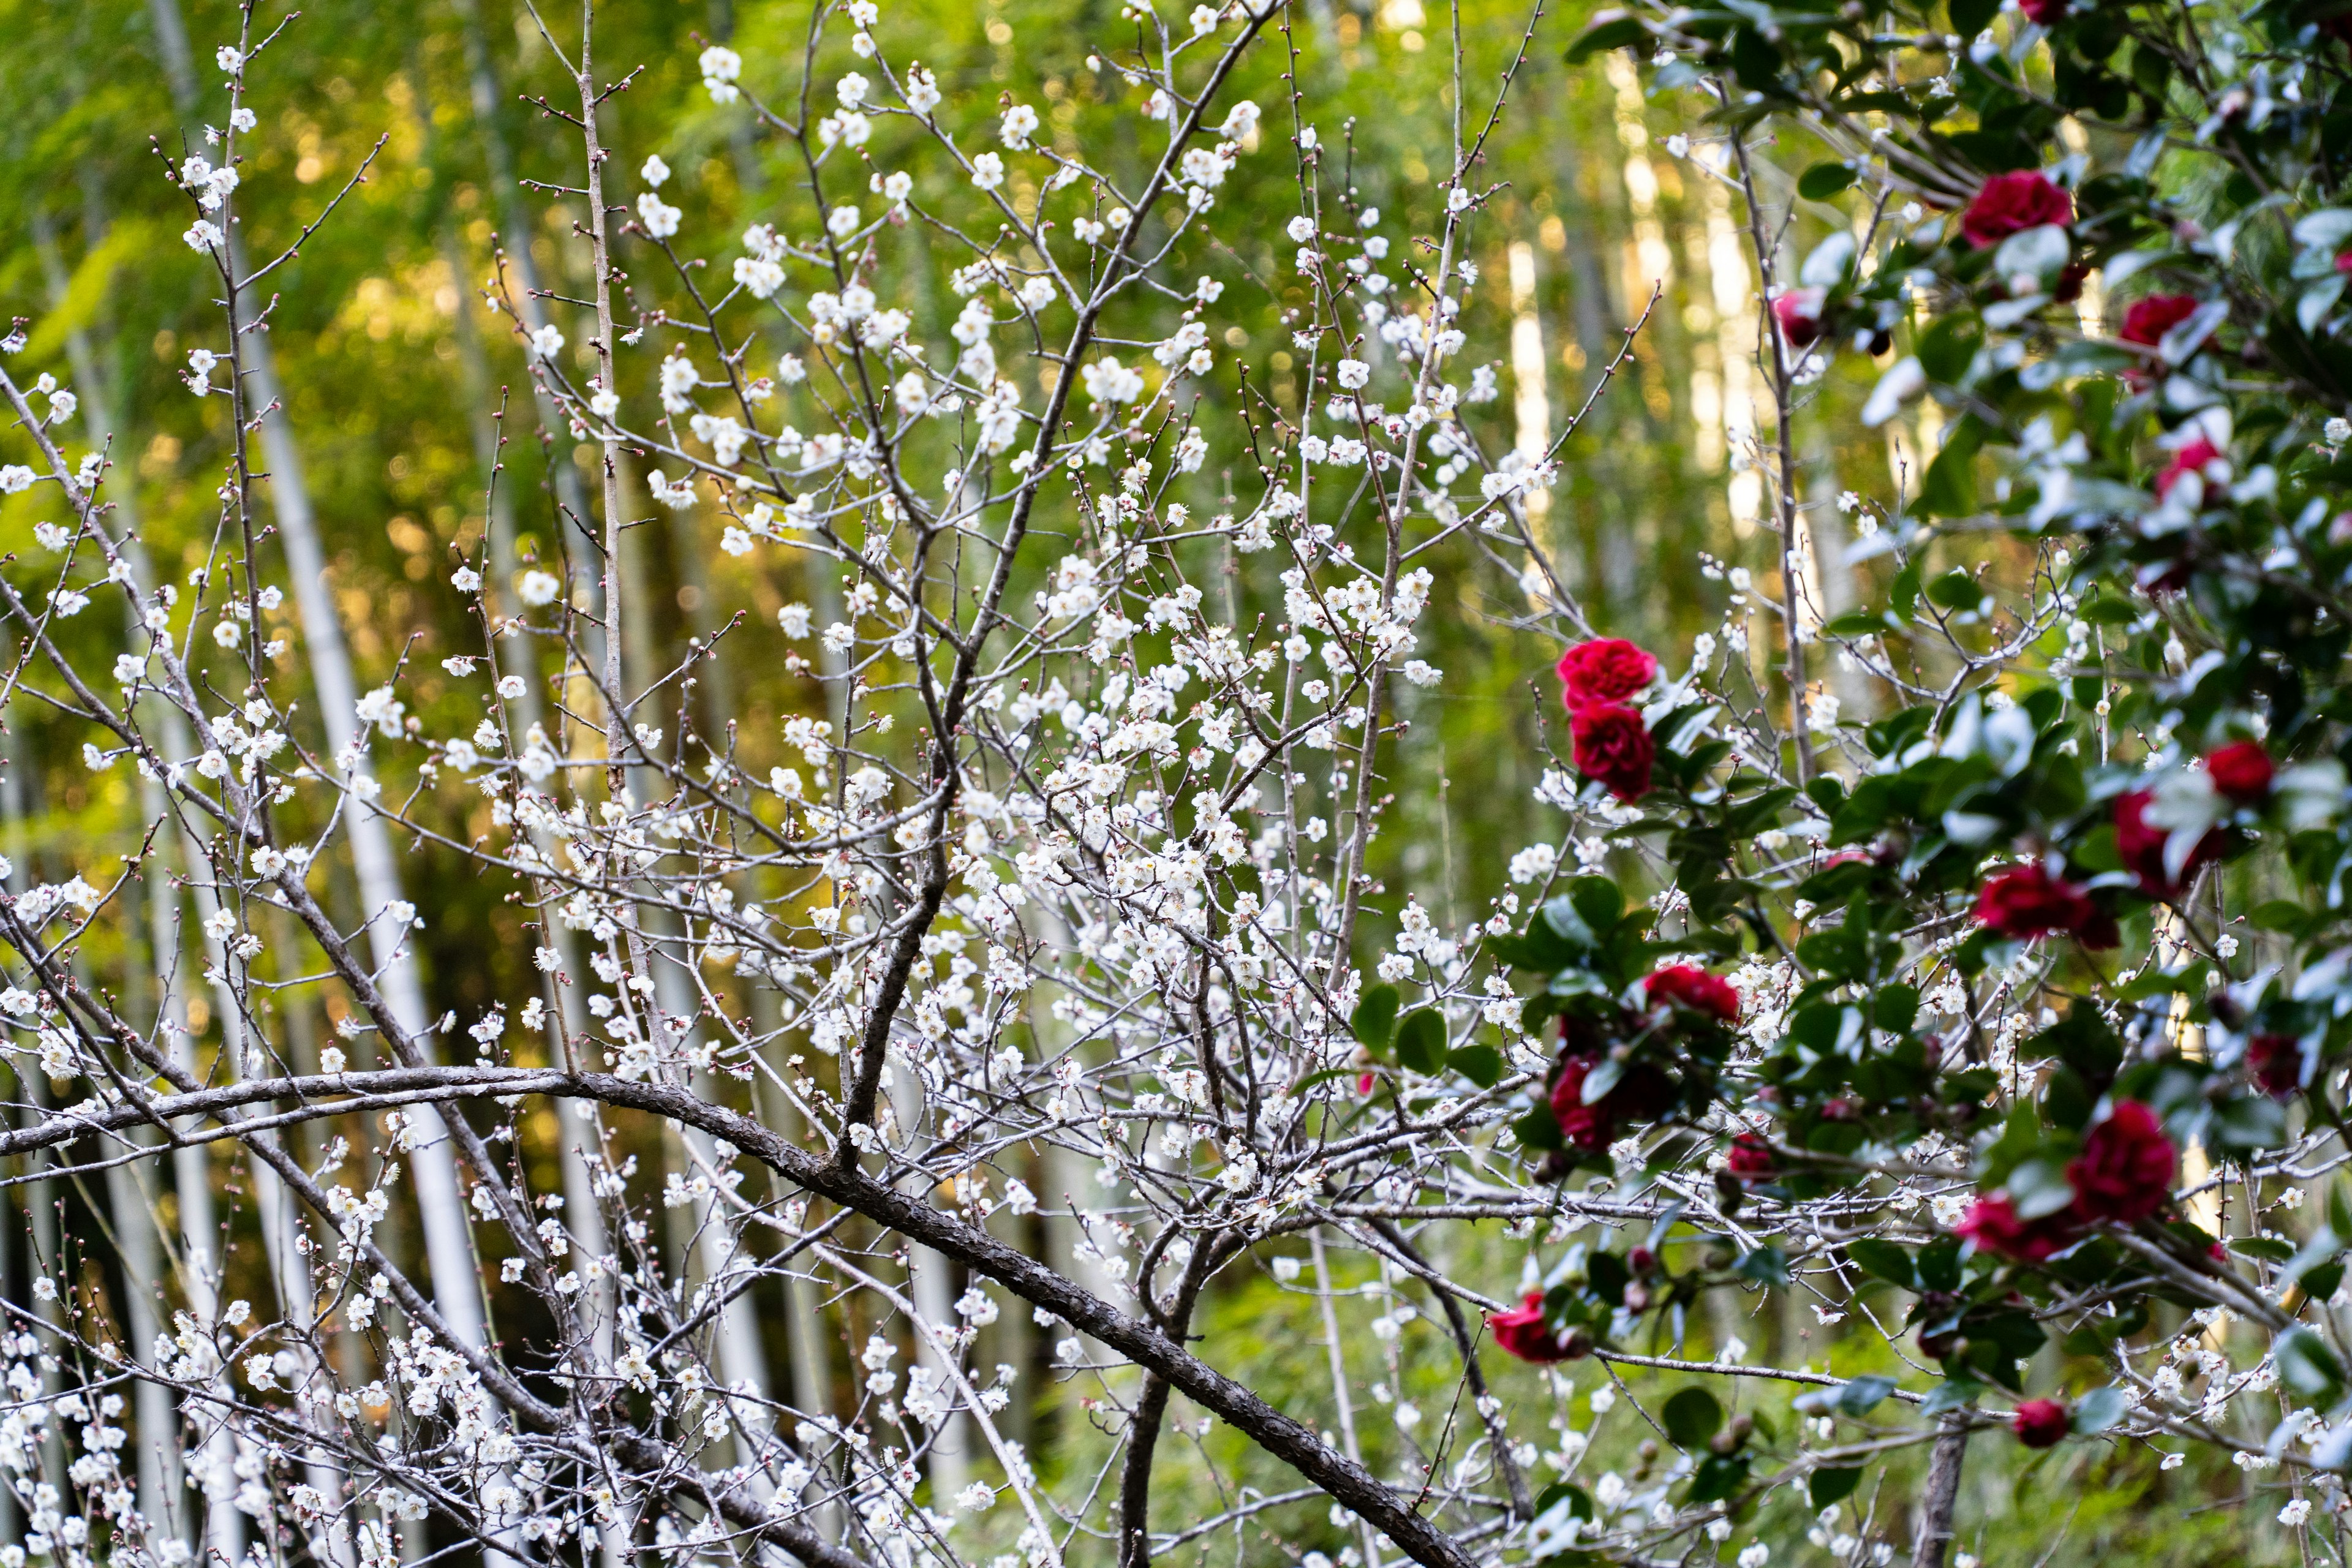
x=2308, y=1366
x=1611, y=30
x=2098, y=1410
x=1421, y=1041
x=1833, y=1485
x=1691, y=1418
x=1482, y=1065
x=1374, y=1019
x=1718, y=1477
x=1822, y=181
x=1539, y=1130
x=1863, y=1395
x=1598, y=902
x=1885, y=1260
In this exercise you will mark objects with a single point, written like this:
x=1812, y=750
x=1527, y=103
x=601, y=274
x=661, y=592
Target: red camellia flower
x=1751, y=1158
x=1584, y=1126
x=2191, y=459
x=2148, y=320
x=2242, y=771
x=1992, y=1223
x=1695, y=989
x=2042, y=13
x=2125, y=1171
x=1522, y=1332
x=1798, y=311
x=2041, y=1423
x=2027, y=901
x=1643, y=1094
x=1613, y=747
x=1606, y=669
x=2012, y=202
x=2140, y=845
x=2276, y=1063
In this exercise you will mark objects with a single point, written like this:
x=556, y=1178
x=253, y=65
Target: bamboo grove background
x=394, y=371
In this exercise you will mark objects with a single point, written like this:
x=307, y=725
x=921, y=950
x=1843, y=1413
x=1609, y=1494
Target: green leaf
x=1601, y=1080
x=1863, y=1395
x=1896, y=1008
x=1947, y=347
x=1610, y=30
x=2279, y=915
x=2084, y=1042
x=1578, y=1501
x=1374, y=1019
x=2039, y=1187
x=1539, y=1130
x=1903, y=598
x=2308, y=1366
x=1955, y=590
x=1953, y=1393
x=1822, y=181
x=1970, y=17
x=1939, y=1264
x=2098, y=1410
x=1826, y=1487
x=1421, y=1041
x=1718, y=1477
x=1860, y=623
x=1768, y=1265
x=1885, y=1260
x=1598, y=902
x=1482, y=1065
x=2318, y=300
x=1691, y=1418
x=1566, y=923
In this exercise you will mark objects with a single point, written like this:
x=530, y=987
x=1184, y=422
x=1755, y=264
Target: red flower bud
x=1686, y=986
x=1522, y=1332
x=1798, y=312
x=2012, y=202
x=1606, y=669
x=2276, y=1063
x=1643, y=1262
x=2125, y=1172
x=2242, y=771
x=1613, y=748
x=2041, y=1423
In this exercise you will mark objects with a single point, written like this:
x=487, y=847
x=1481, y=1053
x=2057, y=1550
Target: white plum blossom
x=1108, y=382
x=722, y=68
x=659, y=218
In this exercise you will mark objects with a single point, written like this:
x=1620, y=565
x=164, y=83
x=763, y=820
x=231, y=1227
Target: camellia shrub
x=1969, y=967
